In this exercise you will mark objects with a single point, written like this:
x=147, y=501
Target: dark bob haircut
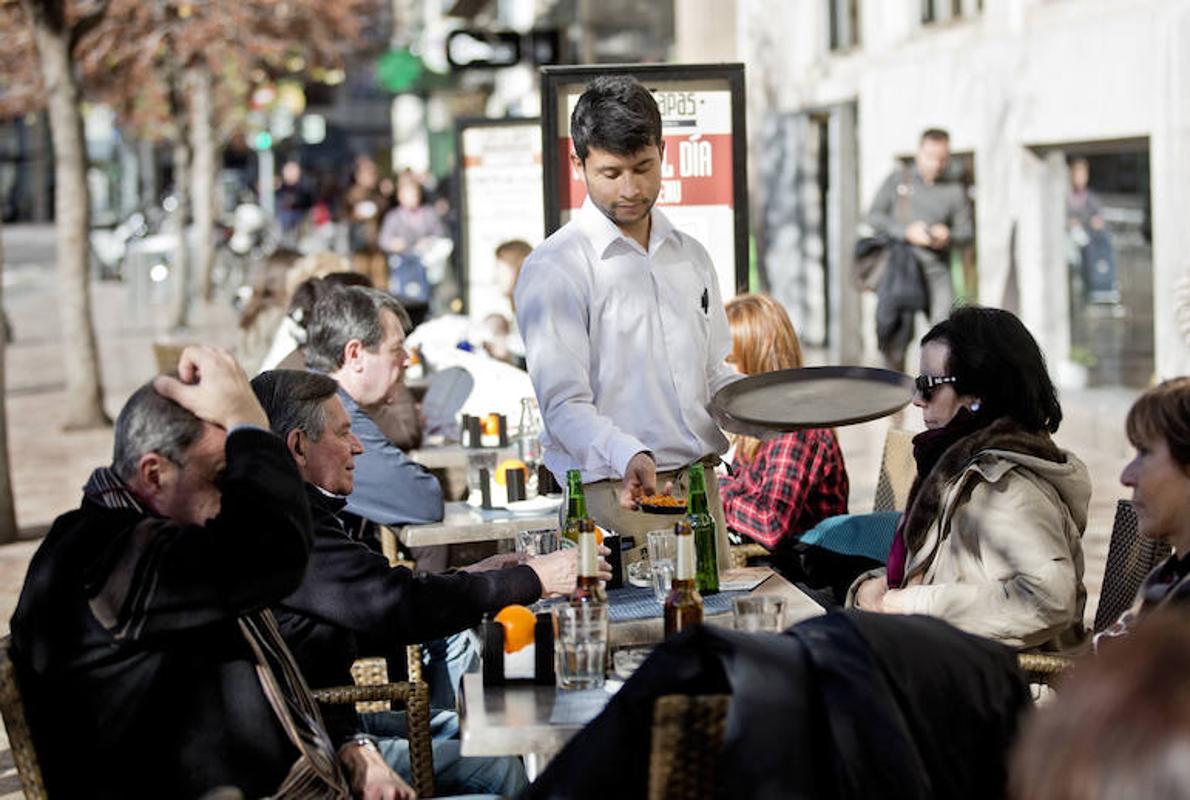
x=995, y=358
x=617, y=114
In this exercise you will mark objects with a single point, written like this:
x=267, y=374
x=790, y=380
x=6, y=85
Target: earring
x=975, y=405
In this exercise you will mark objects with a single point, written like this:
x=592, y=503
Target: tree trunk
x=202, y=138
x=72, y=209
x=8, y=514
x=181, y=267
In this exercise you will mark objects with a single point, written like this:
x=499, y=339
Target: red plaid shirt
x=794, y=482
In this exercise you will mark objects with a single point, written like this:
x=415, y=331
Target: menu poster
x=499, y=201
x=703, y=189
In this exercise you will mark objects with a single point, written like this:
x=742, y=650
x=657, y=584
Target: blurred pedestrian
x=365, y=206
x=294, y=200
x=921, y=206
x=406, y=234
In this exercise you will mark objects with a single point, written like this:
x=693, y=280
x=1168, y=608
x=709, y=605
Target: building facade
x=839, y=90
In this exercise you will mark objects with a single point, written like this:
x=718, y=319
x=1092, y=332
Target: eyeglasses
x=926, y=384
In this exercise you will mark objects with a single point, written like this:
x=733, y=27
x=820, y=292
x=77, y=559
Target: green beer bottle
x=576, y=504
x=703, y=524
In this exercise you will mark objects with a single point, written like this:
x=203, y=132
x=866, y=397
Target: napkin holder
x=492, y=635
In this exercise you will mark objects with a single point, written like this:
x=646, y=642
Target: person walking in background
x=405, y=235
x=786, y=485
x=920, y=206
x=365, y=205
x=1091, y=252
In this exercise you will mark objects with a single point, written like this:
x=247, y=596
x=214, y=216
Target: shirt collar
x=603, y=233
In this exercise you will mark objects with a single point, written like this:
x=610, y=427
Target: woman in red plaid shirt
x=784, y=486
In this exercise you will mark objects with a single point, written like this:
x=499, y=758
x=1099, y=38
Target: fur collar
x=1003, y=434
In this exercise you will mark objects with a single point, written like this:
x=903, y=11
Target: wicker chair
x=686, y=739
x=413, y=693
x=1130, y=557
x=897, y=471
x=166, y=355
x=20, y=738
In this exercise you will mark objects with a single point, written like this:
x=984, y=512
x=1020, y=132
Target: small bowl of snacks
x=662, y=504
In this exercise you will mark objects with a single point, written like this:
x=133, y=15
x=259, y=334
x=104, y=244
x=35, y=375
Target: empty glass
x=580, y=645
x=662, y=551
x=759, y=613
x=537, y=542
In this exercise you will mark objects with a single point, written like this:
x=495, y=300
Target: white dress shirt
x=625, y=347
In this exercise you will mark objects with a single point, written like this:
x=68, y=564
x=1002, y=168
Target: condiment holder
x=501, y=668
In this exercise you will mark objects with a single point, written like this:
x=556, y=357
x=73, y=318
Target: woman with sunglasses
x=990, y=539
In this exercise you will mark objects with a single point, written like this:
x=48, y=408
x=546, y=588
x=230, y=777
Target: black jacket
x=135, y=675
x=849, y=705
x=352, y=603
x=901, y=294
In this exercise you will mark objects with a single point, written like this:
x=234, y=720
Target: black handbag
x=871, y=252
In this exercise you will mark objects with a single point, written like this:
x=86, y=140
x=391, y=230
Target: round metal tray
x=810, y=397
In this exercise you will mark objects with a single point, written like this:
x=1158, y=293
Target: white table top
x=514, y=719
x=465, y=523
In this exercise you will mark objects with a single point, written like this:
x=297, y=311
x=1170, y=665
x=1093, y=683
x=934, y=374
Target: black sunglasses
x=926, y=384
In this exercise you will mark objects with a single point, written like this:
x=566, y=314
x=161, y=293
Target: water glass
x=759, y=613
x=537, y=542
x=580, y=645
x=663, y=545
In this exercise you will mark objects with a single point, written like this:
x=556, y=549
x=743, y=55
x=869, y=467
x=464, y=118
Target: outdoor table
x=445, y=456
x=466, y=523
x=514, y=719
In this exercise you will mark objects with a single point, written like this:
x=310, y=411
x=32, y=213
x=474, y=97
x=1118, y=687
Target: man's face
x=932, y=158
x=187, y=492
x=624, y=188
x=380, y=371
x=330, y=462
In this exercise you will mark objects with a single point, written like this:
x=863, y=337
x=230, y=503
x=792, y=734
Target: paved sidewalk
x=49, y=466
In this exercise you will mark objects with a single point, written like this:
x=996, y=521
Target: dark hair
x=617, y=114
x=935, y=135
x=269, y=289
x=1163, y=413
x=345, y=314
x=310, y=291
x=1119, y=727
x=150, y=423
x=995, y=358
x=292, y=399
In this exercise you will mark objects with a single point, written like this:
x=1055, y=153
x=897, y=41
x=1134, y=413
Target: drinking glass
x=663, y=547
x=580, y=645
x=759, y=613
x=537, y=542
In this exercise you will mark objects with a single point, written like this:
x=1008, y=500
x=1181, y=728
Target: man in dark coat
x=352, y=603
x=148, y=662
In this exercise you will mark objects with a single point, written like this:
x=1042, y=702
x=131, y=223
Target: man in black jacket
x=353, y=603
x=149, y=663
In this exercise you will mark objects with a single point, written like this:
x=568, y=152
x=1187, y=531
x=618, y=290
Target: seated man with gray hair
x=148, y=661
x=353, y=603
x=357, y=337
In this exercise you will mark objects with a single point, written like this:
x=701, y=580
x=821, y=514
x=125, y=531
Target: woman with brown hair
x=1158, y=426
x=784, y=486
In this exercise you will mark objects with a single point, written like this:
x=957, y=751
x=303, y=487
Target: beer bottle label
x=684, y=569
x=587, y=566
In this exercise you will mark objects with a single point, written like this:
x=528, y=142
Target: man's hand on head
x=212, y=386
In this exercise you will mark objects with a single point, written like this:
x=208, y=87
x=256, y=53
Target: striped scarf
x=315, y=775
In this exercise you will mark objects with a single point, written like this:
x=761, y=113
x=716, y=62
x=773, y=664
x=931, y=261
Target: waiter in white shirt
x=625, y=332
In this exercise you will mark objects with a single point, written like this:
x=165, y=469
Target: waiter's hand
x=640, y=478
